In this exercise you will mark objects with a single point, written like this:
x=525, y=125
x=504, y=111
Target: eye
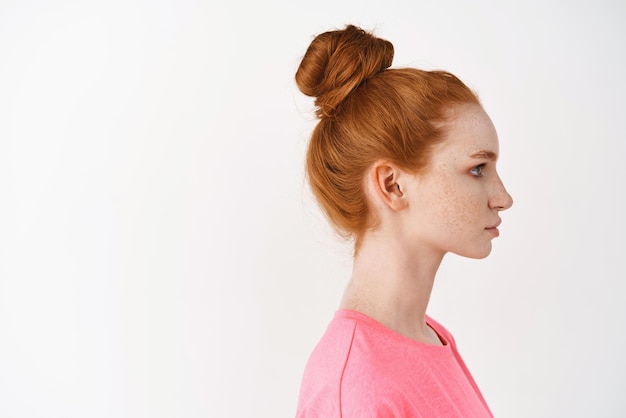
x=477, y=171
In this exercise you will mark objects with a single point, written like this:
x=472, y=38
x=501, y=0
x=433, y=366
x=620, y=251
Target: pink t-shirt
x=360, y=368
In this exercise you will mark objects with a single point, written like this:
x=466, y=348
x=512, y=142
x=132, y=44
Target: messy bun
x=368, y=112
x=337, y=62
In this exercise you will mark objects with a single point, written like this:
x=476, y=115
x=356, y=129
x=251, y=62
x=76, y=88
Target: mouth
x=493, y=230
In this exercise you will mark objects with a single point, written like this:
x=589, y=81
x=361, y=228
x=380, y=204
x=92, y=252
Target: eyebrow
x=489, y=155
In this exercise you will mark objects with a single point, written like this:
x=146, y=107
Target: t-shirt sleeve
x=378, y=406
x=320, y=392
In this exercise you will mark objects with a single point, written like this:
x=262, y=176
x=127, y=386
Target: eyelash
x=478, y=170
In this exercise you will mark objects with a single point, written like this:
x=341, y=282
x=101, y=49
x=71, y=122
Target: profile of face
x=453, y=206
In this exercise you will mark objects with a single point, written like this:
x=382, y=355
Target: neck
x=392, y=284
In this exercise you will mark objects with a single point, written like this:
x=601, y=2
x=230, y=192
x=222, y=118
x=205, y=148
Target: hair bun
x=337, y=62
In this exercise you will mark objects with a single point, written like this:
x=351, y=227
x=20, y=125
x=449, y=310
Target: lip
x=493, y=230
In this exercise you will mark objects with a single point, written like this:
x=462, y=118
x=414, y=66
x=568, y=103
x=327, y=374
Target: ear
x=384, y=177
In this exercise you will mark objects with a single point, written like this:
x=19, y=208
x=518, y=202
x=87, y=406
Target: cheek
x=459, y=208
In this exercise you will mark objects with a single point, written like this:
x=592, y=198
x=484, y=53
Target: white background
x=161, y=255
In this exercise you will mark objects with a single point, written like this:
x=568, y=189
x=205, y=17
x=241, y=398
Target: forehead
x=468, y=132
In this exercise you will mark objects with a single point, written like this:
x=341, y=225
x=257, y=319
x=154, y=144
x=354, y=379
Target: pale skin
x=452, y=206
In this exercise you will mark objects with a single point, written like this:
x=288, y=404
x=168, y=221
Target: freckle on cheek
x=450, y=206
x=456, y=210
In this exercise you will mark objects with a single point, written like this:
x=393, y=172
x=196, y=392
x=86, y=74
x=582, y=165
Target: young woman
x=402, y=161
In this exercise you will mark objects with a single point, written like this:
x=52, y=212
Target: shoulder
x=350, y=374
x=320, y=388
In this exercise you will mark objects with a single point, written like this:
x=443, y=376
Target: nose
x=501, y=199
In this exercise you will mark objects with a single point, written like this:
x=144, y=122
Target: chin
x=475, y=253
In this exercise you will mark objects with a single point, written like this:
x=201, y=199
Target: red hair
x=368, y=112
